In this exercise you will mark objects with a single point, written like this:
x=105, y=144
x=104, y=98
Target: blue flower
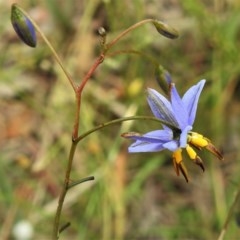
x=177, y=116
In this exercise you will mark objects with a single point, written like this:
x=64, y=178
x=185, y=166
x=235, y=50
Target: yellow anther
x=191, y=153
x=178, y=164
x=196, y=134
x=183, y=170
x=198, y=140
x=210, y=147
x=177, y=155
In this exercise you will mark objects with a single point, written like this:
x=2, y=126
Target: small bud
x=163, y=78
x=23, y=26
x=103, y=34
x=165, y=29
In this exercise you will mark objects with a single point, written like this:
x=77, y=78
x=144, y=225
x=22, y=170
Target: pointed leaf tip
x=23, y=26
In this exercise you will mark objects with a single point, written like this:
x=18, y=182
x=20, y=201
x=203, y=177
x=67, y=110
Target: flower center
x=176, y=133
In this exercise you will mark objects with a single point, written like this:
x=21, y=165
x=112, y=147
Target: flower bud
x=103, y=34
x=23, y=26
x=163, y=78
x=165, y=29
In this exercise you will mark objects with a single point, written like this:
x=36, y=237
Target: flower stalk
x=229, y=215
x=161, y=27
x=56, y=224
x=25, y=27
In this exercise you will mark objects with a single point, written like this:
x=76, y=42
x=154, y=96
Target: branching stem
x=78, y=89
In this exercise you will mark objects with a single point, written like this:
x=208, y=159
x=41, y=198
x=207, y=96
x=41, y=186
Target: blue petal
x=180, y=112
x=140, y=146
x=151, y=141
x=161, y=107
x=183, y=136
x=190, y=100
x=172, y=145
x=157, y=136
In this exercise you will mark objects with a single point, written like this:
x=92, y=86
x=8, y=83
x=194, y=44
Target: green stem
x=131, y=51
x=78, y=94
x=50, y=47
x=122, y=34
x=229, y=216
x=75, y=183
x=78, y=99
x=65, y=188
x=120, y=120
x=64, y=192
x=64, y=227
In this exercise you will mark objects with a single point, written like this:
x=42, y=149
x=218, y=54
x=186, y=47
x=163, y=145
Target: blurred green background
x=134, y=196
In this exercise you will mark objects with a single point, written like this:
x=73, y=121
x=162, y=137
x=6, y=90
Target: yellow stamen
x=198, y=140
x=177, y=158
x=177, y=155
x=183, y=170
x=178, y=164
x=210, y=147
x=191, y=153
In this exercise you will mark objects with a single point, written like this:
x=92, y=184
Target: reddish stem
x=78, y=93
x=90, y=72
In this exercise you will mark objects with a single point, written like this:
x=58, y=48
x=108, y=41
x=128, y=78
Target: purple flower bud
x=23, y=26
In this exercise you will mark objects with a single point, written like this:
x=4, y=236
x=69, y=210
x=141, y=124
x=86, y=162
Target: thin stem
x=64, y=192
x=75, y=183
x=50, y=47
x=90, y=72
x=78, y=93
x=131, y=51
x=122, y=34
x=120, y=120
x=64, y=227
x=77, y=115
x=65, y=188
x=229, y=216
